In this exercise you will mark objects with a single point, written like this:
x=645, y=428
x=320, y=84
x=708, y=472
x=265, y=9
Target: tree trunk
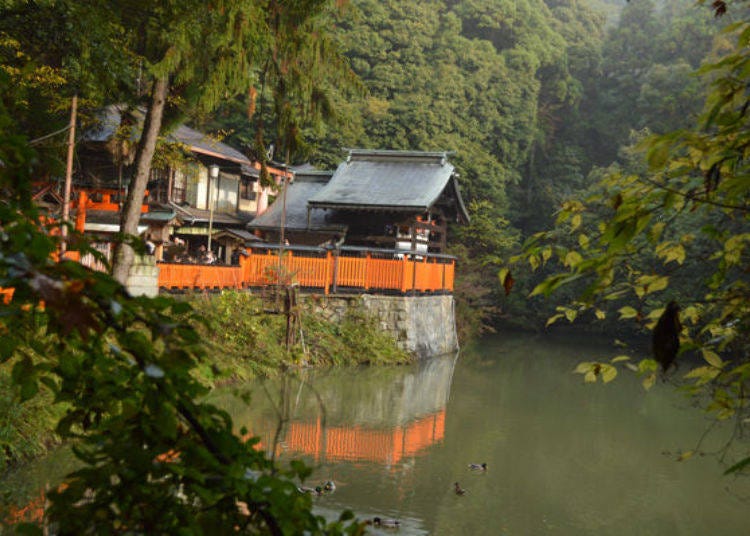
x=131, y=211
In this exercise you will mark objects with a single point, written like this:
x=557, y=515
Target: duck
x=384, y=523
x=317, y=490
x=478, y=466
x=458, y=489
x=329, y=486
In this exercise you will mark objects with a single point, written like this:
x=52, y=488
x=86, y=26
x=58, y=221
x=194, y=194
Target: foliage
x=678, y=230
x=154, y=458
x=244, y=336
x=480, y=248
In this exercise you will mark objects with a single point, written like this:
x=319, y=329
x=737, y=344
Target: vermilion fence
x=328, y=270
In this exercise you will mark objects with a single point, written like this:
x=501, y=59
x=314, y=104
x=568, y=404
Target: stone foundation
x=143, y=279
x=422, y=325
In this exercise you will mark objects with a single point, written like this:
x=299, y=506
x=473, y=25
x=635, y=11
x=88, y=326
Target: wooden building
x=399, y=200
x=201, y=186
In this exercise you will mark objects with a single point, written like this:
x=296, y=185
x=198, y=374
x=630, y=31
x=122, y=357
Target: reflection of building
x=378, y=415
x=358, y=443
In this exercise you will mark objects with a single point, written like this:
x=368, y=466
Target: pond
x=562, y=457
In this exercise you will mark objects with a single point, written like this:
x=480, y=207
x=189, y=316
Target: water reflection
x=564, y=458
x=384, y=415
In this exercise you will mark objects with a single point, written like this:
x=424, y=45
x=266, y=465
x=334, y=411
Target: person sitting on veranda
x=334, y=242
x=150, y=246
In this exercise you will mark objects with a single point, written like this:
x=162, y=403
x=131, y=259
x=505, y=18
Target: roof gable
x=198, y=142
x=386, y=180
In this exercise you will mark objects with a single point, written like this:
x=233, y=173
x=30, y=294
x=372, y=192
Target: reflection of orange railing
x=358, y=443
x=317, y=268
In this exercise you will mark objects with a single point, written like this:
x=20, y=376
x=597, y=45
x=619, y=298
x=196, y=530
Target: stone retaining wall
x=423, y=325
x=143, y=279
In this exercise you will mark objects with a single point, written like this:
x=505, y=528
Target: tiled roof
x=305, y=185
x=386, y=180
x=197, y=141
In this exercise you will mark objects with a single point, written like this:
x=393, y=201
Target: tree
x=640, y=237
x=192, y=52
x=154, y=457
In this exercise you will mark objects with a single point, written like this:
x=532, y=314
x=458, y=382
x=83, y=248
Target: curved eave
x=219, y=155
x=462, y=212
x=372, y=208
x=312, y=229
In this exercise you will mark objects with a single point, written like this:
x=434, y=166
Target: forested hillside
x=535, y=97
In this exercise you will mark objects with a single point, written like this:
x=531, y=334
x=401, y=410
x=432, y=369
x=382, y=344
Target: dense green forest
x=602, y=147
x=536, y=99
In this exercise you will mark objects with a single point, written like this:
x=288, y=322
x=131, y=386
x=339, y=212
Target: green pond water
x=563, y=457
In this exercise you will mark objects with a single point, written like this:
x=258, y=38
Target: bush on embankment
x=247, y=338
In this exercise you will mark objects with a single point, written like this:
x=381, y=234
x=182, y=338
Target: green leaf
x=620, y=358
x=546, y=254
x=649, y=381
x=551, y=320
x=608, y=373
x=739, y=466
x=534, y=262
x=627, y=312
x=572, y=259
x=712, y=358
x=703, y=375
x=583, y=241
x=670, y=251
x=646, y=284
x=502, y=274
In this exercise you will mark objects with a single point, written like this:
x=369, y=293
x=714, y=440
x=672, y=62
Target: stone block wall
x=143, y=279
x=422, y=325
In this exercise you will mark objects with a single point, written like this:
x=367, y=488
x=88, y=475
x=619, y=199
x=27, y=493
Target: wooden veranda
x=345, y=269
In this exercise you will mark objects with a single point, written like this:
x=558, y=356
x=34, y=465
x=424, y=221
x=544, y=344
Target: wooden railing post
x=404, y=265
x=413, y=274
x=368, y=257
x=327, y=273
x=334, y=285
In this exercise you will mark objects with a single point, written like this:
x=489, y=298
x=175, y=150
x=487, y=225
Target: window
x=247, y=190
x=179, y=187
x=158, y=186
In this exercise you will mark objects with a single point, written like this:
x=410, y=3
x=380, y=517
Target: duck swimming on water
x=478, y=466
x=458, y=489
x=384, y=523
x=317, y=490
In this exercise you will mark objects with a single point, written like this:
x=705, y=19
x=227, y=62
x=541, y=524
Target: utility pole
x=68, y=174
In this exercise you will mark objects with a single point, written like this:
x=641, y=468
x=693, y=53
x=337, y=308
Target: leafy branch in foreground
x=154, y=458
x=678, y=231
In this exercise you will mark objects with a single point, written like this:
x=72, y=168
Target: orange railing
x=199, y=276
x=344, y=269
